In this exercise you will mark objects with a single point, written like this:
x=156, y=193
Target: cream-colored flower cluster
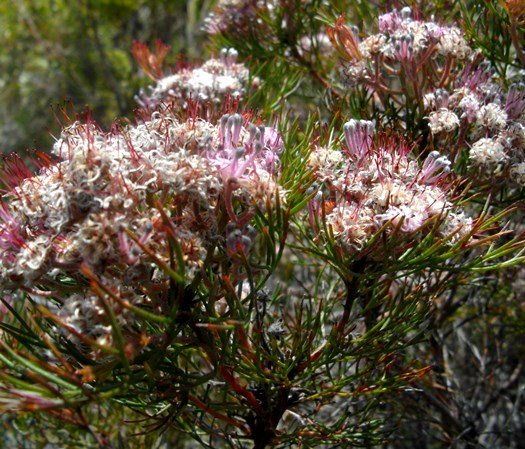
x=215, y=81
x=403, y=44
x=371, y=183
x=432, y=69
x=490, y=120
x=115, y=199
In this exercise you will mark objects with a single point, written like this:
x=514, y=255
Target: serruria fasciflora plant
x=231, y=270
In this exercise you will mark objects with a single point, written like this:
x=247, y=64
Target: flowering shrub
x=251, y=279
x=431, y=70
x=105, y=207
x=215, y=81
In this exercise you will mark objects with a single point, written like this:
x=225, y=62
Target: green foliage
x=302, y=337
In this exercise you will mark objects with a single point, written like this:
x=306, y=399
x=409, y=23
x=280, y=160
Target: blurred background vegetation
x=58, y=52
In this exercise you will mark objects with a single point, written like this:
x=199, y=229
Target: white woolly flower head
x=492, y=116
x=216, y=80
x=487, y=152
x=443, y=120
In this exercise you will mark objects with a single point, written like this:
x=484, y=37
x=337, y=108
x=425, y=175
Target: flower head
x=213, y=82
x=238, y=16
x=379, y=187
x=443, y=120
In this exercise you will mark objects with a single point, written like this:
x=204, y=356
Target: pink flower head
x=359, y=135
x=434, y=168
x=390, y=21
x=214, y=82
x=259, y=148
x=515, y=101
x=381, y=184
x=403, y=47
